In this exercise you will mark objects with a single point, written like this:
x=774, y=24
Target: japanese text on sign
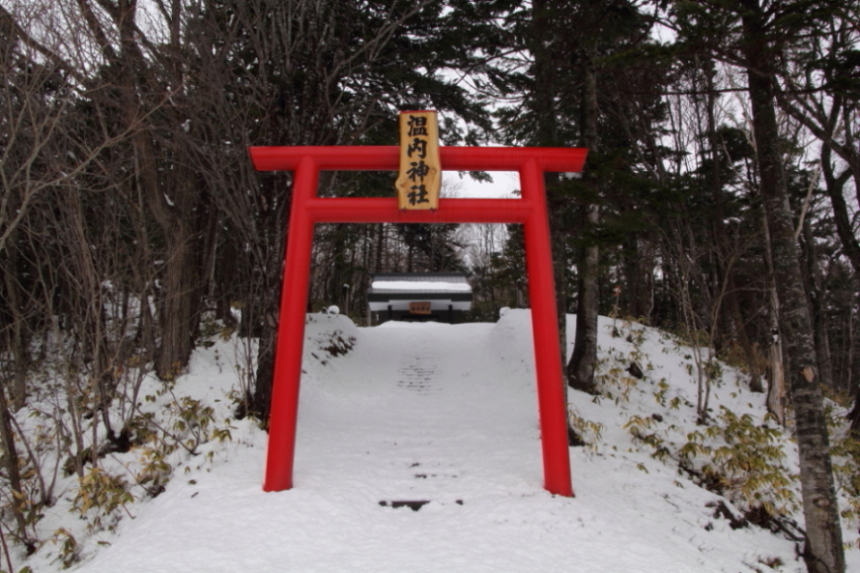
x=420, y=173
x=419, y=307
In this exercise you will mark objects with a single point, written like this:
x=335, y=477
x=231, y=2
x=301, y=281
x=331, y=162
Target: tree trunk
x=88, y=306
x=174, y=200
x=11, y=464
x=177, y=308
x=823, y=552
x=817, y=305
x=835, y=190
x=776, y=401
x=266, y=305
x=547, y=135
x=638, y=286
x=18, y=338
x=580, y=369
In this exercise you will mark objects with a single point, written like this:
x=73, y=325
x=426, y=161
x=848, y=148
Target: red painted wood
x=386, y=158
x=280, y=447
x=541, y=283
x=307, y=209
x=384, y=210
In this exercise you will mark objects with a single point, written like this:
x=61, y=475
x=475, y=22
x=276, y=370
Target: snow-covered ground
x=447, y=415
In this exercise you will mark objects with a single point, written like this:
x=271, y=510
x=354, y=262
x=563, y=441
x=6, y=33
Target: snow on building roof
x=422, y=286
x=390, y=283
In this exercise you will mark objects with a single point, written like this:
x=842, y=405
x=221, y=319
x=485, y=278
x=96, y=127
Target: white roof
x=422, y=286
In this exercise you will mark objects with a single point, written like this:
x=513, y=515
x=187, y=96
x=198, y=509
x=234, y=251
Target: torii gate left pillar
x=307, y=209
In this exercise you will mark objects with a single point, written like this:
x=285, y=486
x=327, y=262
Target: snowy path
x=429, y=423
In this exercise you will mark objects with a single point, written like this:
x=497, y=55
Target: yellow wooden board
x=419, y=307
x=420, y=175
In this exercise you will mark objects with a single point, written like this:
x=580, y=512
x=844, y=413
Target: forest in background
x=720, y=198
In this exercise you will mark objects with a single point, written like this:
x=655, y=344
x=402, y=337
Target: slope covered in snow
x=447, y=415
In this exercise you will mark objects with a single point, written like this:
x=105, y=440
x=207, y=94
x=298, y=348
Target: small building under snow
x=439, y=297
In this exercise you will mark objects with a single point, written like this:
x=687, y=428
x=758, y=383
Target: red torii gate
x=307, y=209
